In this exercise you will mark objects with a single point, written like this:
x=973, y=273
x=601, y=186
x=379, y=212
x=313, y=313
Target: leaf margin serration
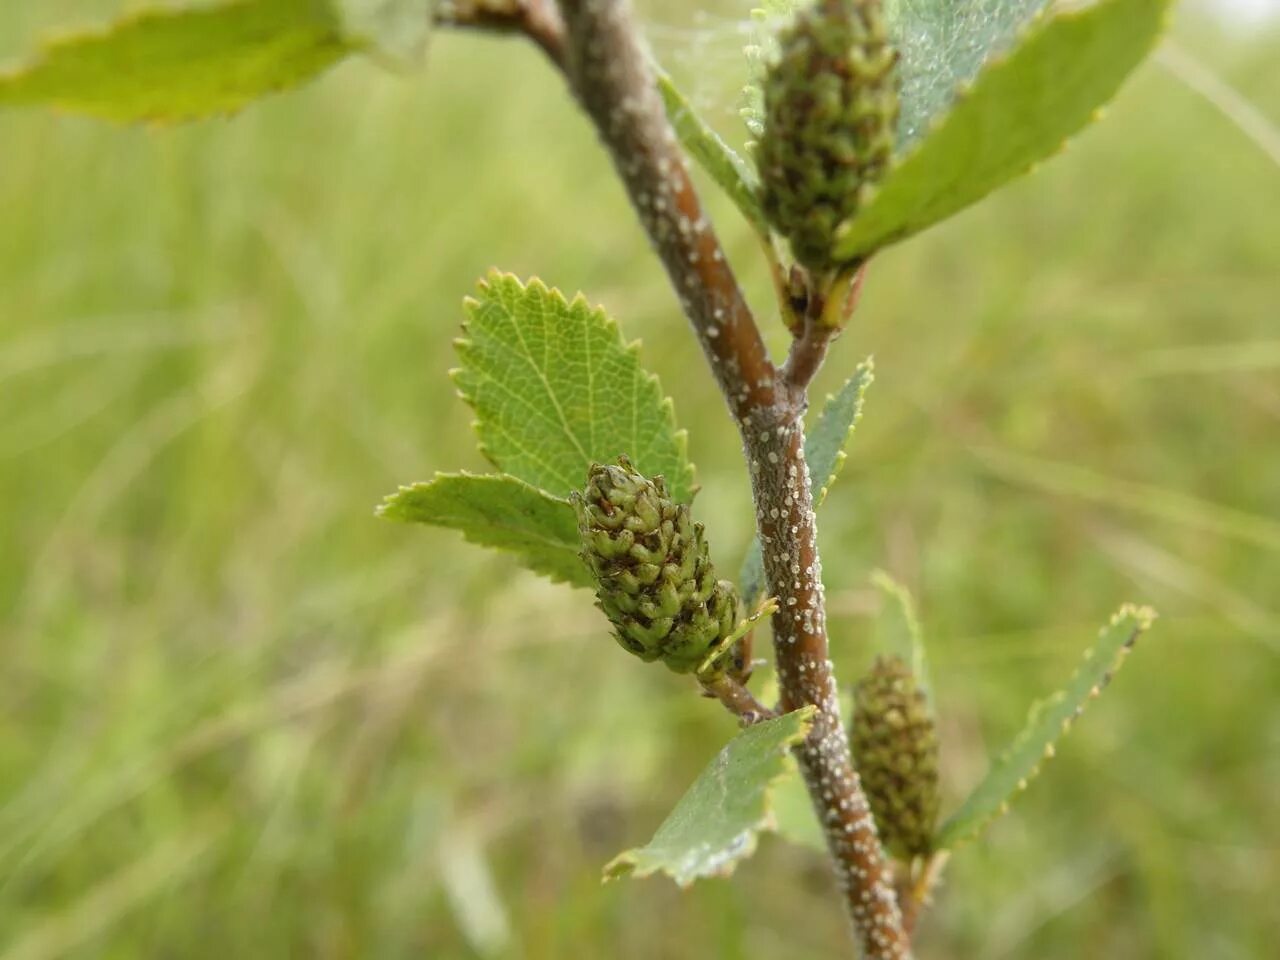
x=976, y=812
x=394, y=507
x=336, y=46
x=680, y=482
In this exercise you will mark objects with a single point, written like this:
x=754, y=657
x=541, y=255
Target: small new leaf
x=942, y=47
x=502, y=512
x=767, y=607
x=1047, y=722
x=731, y=173
x=715, y=824
x=1019, y=111
x=555, y=389
x=824, y=452
x=824, y=447
x=173, y=64
x=898, y=631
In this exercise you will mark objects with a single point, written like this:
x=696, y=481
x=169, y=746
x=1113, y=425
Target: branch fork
x=595, y=43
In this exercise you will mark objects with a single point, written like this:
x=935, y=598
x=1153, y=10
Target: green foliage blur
x=243, y=718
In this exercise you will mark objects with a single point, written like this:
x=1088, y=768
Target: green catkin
x=655, y=581
x=895, y=750
x=831, y=114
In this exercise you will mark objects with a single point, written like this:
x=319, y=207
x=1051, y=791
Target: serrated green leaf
x=502, y=512
x=1047, y=722
x=824, y=445
x=396, y=29
x=1020, y=110
x=824, y=452
x=172, y=64
x=555, y=388
x=714, y=825
x=898, y=631
x=730, y=172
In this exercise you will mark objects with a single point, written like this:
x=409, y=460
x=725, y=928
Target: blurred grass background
x=241, y=717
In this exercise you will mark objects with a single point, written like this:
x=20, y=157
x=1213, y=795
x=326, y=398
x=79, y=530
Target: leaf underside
x=174, y=64
x=824, y=452
x=1020, y=110
x=942, y=47
x=1047, y=722
x=555, y=388
x=714, y=825
x=501, y=512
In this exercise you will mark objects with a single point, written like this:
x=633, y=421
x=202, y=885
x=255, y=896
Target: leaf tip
x=392, y=505
x=1144, y=616
x=805, y=715
x=623, y=865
